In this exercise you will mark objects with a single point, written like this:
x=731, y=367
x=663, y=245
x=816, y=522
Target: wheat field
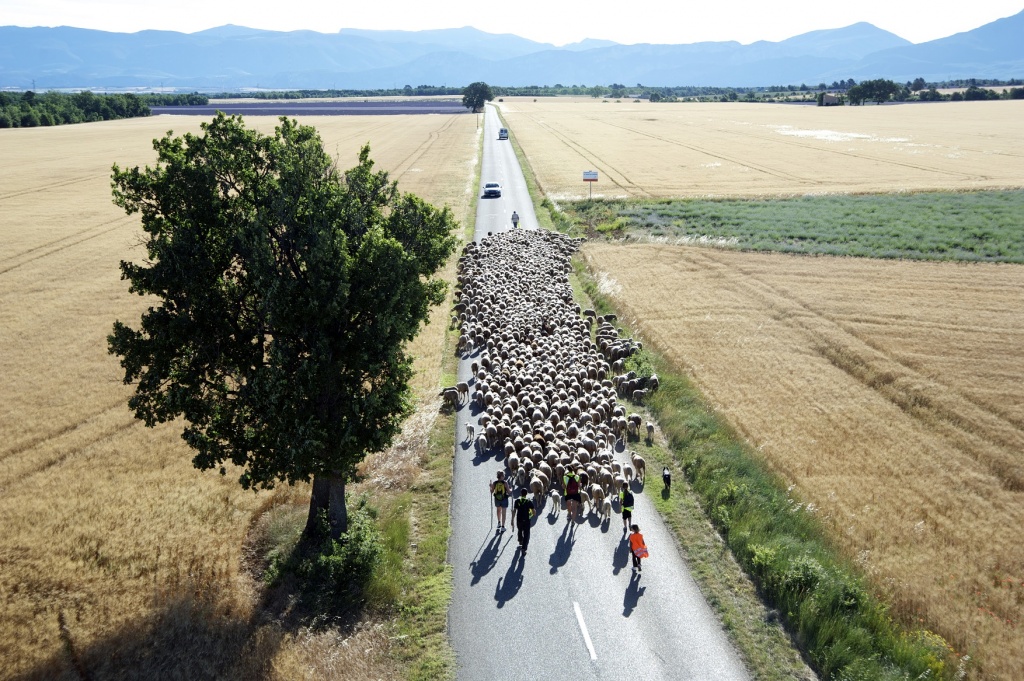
x=888, y=393
x=646, y=150
x=117, y=557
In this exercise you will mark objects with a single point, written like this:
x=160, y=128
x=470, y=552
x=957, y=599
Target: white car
x=492, y=190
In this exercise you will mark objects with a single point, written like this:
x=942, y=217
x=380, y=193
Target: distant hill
x=231, y=57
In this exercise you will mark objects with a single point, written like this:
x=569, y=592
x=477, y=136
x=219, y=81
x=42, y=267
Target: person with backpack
x=626, y=502
x=500, y=492
x=637, y=547
x=571, y=482
x=524, y=511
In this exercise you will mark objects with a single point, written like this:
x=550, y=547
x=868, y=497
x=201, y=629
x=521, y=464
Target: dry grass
x=116, y=554
x=688, y=149
x=888, y=393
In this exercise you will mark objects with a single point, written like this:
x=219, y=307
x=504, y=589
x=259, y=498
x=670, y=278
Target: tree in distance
x=879, y=91
x=285, y=294
x=475, y=94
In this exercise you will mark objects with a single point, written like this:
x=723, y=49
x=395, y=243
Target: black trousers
x=523, y=532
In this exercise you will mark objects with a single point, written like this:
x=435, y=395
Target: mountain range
x=235, y=57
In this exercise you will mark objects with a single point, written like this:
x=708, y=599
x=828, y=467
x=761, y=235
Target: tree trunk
x=328, y=495
x=338, y=512
x=319, y=500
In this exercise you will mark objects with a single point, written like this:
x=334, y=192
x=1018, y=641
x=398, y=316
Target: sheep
x=650, y=432
x=470, y=432
x=606, y=510
x=584, y=500
x=463, y=389
x=639, y=395
x=627, y=472
x=640, y=465
x=536, y=487
x=556, y=502
x=450, y=396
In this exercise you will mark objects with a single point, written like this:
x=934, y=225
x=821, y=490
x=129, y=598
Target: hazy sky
x=552, y=21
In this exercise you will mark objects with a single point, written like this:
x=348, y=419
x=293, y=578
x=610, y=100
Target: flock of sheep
x=547, y=376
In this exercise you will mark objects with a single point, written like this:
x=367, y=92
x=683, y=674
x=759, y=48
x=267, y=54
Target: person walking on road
x=637, y=547
x=571, y=482
x=500, y=492
x=626, y=502
x=515, y=219
x=524, y=511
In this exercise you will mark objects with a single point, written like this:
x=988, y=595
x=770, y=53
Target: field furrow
x=869, y=385
x=112, y=541
x=757, y=150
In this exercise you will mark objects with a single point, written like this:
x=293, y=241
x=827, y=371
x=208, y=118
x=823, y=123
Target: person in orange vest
x=637, y=547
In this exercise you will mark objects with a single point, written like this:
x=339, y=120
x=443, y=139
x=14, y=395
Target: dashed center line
x=583, y=628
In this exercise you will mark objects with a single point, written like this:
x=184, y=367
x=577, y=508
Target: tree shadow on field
x=200, y=625
x=194, y=635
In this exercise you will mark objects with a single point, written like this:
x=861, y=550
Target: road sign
x=590, y=176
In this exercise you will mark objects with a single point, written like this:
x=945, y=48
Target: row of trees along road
x=285, y=294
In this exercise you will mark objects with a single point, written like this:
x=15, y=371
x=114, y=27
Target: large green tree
x=475, y=94
x=284, y=293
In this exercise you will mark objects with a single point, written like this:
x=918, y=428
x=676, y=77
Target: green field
x=975, y=226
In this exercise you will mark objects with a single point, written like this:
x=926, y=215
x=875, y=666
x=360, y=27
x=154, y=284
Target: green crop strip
x=963, y=226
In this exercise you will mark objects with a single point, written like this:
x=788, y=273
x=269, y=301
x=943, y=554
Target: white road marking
x=583, y=628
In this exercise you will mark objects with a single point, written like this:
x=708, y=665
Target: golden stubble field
x=889, y=393
x=114, y=550
x=645, y=150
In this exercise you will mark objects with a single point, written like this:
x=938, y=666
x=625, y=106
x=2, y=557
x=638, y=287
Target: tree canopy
x=475, y=94
x=879, y=91
x=285, y=294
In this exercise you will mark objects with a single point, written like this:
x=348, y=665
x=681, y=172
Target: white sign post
x=590, y=176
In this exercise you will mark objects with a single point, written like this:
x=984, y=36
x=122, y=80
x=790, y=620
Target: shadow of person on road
x=563, y=547
x=633, y=593
x=486, y=558
x=509, y=585
x=620, y=559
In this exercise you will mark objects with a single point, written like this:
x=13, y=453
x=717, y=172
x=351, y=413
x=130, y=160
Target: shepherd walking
x=524, y=510
x=637, y=547
x=515, y=219
x=500, y=492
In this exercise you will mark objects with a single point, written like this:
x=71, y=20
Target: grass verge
x=965, y=226
x=823, y=602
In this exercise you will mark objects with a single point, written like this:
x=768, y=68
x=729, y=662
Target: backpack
x=499, y=490
x=573, y=486
x=627, y=499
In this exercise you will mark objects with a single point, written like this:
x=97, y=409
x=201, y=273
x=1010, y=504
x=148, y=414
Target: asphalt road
x=572, y=608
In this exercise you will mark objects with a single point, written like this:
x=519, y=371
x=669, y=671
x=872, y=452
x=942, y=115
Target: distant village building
x=829, y=99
